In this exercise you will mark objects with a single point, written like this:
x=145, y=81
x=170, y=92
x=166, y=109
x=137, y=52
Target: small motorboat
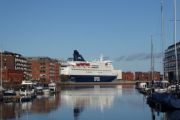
x=52, y=86
x=39, y=87
x=10, y=92
x=46, y=90
x=27, y=87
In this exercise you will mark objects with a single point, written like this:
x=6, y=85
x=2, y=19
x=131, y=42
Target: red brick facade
x=12, y=76
x=147, y=75
x=44, y=70
x=127, y=76
x=13, y=66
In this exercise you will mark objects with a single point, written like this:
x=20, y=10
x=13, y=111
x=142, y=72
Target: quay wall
x=115, y=82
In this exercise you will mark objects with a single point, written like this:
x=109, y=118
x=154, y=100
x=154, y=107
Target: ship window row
x=91, y=70
x=94, y=67
x=87, y=69
x=88, y=72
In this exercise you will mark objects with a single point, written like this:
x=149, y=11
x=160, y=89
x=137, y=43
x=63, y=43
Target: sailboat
x=158, y=93
x=2, y=90
x=163, y=85
x=173, y=100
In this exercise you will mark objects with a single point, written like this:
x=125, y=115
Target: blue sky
x=119, y=29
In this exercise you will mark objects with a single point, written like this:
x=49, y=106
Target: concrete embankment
x=115, y=82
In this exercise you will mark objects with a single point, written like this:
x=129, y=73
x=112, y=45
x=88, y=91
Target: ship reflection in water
x=87, y=102
x=96, y=96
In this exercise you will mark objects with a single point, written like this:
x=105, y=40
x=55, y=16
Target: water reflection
x=45, y=103
x=93, y=96
x=173, y=115
x=169, y=114
x=96, y=96
x=92, y=102
x=42, y=104
x=9, y=110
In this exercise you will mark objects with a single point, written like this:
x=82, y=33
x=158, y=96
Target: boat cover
x=1, y=88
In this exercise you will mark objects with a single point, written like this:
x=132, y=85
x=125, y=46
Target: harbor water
x=95, y=102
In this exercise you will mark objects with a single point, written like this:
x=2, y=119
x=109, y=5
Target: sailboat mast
x=1, y=65
x=152, y=62
x=177, y=76
x=162, y=36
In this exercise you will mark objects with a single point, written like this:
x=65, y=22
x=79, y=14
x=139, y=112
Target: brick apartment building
x=13, y=67
x=147, y=75
x=127, y=76
x=43, y=68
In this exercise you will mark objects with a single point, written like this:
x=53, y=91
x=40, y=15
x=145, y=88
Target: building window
x=42, y=71
x=5, y=63
x=29, y=71
x=43, y=79
x=42, y=67
x=42, y=75
x=42, y=63
x=29, y=67
x=3, y=73
x=30, y=75
x=29, y=63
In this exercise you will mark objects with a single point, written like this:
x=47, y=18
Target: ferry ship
x=78, y=70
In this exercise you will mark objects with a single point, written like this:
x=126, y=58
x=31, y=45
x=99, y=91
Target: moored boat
x=27, y=87
x=46, y=90
x=26, y=98
x=39, y=86
x=52, y=86
x=10, y=92
x=173, y=100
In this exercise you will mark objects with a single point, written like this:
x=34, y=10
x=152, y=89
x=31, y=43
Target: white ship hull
x=88, y=71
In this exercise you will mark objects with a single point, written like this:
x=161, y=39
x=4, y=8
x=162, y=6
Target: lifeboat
x=87, y=64
x=78, y=64
x=82, y=63
x=106, y=63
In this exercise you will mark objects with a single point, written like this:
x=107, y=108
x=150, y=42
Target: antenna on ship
x=101, y=58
